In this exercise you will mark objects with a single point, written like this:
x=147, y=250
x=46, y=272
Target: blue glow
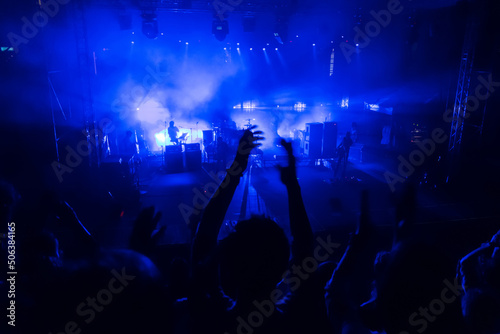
x=153, y=81
x=268, y=61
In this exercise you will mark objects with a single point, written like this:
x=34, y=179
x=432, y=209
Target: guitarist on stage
x=172, y=133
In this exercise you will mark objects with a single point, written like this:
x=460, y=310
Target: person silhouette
x=343, y=154
x=172, y=133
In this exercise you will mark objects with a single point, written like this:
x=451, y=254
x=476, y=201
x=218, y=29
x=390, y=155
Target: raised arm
x=205, y=239
x=357, y=246
x=300, y=227
x=347, y=278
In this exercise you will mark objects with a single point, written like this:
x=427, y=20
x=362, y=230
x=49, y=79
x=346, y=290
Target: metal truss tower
x=85, y=65
x=463, y=87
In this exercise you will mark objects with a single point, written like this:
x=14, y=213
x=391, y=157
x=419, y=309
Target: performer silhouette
x=172, y=133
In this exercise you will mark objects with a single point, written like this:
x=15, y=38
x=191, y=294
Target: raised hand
x=247, y=143
x=143, y=239
x=288, y=174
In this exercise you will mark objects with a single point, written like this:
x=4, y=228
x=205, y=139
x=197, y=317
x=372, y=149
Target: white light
x=237, y=43
x=187, y=43
x=357, y=44
x=263, y=49
x=180, y=41
x=132, y=42
x=297, y=36
x=133, y=32
x=137, y=108
x=225, y=49
x=248, y=105
x=267, y=43
x=276, y=49
x=299, y=106
x=314, y=44
x=238, y=49
x=251, y=49
x=161, y=34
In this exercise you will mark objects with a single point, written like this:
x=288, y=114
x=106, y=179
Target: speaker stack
x=173, y=159
x=193, y=157
x=313, y=140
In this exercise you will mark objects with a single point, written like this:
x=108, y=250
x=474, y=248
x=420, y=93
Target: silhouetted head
x=254, y=257
x=122, y=285
x=348, y=134
x=408, y=292
x=171, y=123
